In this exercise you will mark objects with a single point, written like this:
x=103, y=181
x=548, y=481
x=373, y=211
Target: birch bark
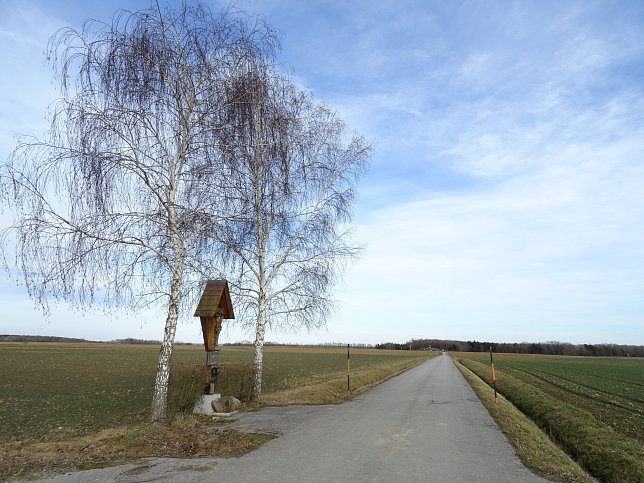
x=159, y=412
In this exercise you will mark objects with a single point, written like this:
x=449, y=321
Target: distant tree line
x=295, y=344
x=130, y=340
x=549, y=348
x=38, y=338
x=53, y=338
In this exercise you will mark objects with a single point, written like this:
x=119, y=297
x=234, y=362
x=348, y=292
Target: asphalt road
x=424, y=425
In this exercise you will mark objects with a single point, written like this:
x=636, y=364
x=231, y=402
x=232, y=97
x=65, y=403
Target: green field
x=48, y=387
x=593, y=407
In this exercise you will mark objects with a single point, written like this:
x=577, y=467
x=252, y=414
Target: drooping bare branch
x=118, y=205
x=292, y=168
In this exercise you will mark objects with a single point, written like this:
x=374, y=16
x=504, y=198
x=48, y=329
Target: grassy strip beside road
x=610, y=388
x=66, y=450
x=606, y=453
x=316, y=378
x=69, y=405
x=533, y=447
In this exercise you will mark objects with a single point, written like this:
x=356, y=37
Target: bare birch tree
x=117, y=206
x=292, y=170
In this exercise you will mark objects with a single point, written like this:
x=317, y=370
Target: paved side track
x=424, y=425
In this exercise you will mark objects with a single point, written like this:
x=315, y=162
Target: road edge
x=533, y=447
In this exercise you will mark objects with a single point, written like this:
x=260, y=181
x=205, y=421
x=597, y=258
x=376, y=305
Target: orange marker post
x=496, y=399
x=348, y=372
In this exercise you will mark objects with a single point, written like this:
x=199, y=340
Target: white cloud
x=504, y=201
x=553, y=252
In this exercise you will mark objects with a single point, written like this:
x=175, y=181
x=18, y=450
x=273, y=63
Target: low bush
x=187, y=382
x=236, y=379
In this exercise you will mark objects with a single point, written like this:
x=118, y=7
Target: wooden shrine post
x=214, y=306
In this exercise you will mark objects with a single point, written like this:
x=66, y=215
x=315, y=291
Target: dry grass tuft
x=186, y=437
x=331, y=388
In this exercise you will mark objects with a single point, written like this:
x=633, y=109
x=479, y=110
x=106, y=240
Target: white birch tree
x=117, y=206
x=292, y=166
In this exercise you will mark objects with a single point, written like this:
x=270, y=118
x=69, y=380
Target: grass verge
x=331, y=387
x=186, y=437
x=532, y=446
x=604, y=453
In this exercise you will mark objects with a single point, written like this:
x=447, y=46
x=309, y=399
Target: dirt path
x=424, y=425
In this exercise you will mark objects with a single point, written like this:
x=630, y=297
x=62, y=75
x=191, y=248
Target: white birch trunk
x=262, y=301
x=259, y=348
x=160, y=397
x=260, y=330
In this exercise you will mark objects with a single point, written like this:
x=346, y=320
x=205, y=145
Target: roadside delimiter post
x=496, y=399
x=348, y=372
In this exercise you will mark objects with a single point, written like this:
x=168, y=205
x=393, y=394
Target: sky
x=504, y=200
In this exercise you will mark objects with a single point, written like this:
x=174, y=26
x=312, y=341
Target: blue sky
x=504, y=200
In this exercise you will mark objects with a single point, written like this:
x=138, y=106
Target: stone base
x=204, y=404
x=226, y=404
x=225, y=416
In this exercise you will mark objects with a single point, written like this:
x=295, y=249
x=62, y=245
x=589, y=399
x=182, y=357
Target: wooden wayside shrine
x=214, y=306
